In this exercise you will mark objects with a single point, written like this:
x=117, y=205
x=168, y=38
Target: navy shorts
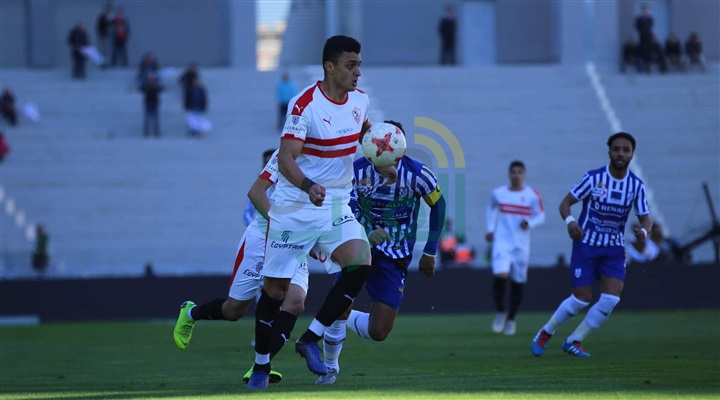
x=386, y=282
x=589, y=263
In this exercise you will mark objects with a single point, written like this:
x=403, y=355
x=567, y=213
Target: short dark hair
x=268, y=153
x=399, y=125
x=517, y=163
x=622, y=135
x=335, y=46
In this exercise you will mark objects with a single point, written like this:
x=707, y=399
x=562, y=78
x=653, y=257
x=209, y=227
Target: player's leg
x=501, y=264
x=291, y=308
x=582, y=269
x=612, y=277
x=518, y=278
x=347, y=243
x=333, y=341
x=245, y=282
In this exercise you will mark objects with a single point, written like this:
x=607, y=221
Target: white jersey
x=258, y=227
x=507, y=210
x=329, y=131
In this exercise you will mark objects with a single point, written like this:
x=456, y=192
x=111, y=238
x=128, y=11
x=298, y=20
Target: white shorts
x=247, y=276
x=291, y=236
x=512, y=262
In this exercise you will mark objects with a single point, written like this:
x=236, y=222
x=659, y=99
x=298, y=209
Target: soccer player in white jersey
x=247, y=278
x=388, y=205
x=608, y=195
x=311, y=202
x=514, y=210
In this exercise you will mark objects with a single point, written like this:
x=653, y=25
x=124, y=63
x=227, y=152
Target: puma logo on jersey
x=299, y=108
x=328, y=121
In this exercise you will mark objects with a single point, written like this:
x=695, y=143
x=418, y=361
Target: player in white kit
x=247, y=277
x=317, y=151
x=514, y=210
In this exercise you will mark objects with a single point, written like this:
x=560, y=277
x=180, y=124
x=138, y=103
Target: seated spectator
x=693, y=49
x=448, y=243
x=654, y=54
x=631, y=56
x=640, y=253
x=195, y=103
x=188, y=76
x=464, y=253
x=148, y=65
x=4, y=147
x=7, y=104
x=673, y=53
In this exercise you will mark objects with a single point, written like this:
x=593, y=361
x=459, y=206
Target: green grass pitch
x=650, y=355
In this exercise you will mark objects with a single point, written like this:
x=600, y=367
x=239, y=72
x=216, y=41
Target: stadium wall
x=653, y=287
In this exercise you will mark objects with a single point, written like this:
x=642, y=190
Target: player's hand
x=313, y=255
x=639, y=235
x=575, y=231
x=489, y=236
x=316, y=194
x=378, y=236
x=524, y=225
x=427, y=265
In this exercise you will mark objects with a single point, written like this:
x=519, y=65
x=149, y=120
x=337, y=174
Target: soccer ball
x=384, y=144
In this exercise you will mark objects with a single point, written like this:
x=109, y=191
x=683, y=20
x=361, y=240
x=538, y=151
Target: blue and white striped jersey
x=607, y=203
x=394, y=207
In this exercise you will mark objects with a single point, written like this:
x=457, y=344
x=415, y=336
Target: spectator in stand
x=4, y=147
x=654, y=54
x=148, y=65
x=121, y=34
x=448, y=244
x=41, y=255
x=693, y=49
x=102, y=28
x=631, y=56
x=7, y=104
x=77, y=39
x=673, y=52
x=284, y=92
x=644, y=26
x=195, y=104
x=464, y=253
x=152, y=89
x=188, y=77
x=447, y=29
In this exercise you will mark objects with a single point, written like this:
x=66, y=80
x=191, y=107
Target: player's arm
x=643, y=212
x=258, y=196
x=438, y=209
x=573, y=228
x=491, y=216
x=538, y=214
x=289, y=151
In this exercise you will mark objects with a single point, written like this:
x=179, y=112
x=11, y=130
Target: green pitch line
x=639, y=355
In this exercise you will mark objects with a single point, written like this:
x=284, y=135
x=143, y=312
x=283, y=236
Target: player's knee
x=353, y=278
x=294, y=306
x=379, y=333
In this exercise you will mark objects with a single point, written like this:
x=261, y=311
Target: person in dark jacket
x=102, y=29
x=673, y=52
x=693, y=49
x=195, y=103
x=151, y=90
x=644, y=25
x=77, y=39
x=447, y=29
x=631, y=56
x=7, y=105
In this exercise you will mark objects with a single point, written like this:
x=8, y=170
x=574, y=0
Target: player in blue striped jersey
x=608, y=194
x=387, y=204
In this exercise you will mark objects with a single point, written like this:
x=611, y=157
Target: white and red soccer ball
x=384, y=144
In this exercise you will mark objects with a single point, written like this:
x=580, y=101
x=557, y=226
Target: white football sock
x=359, y=323
x=333, y=343
x=567, y=310
x=595, y=317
